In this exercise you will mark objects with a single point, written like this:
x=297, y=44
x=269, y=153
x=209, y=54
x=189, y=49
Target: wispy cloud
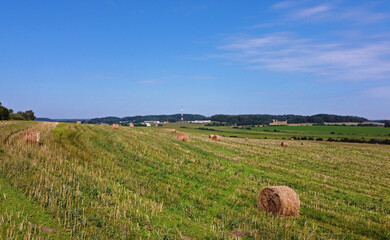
x=334, y=60
x=378, y=92
x=330, y=12
x=312, y=11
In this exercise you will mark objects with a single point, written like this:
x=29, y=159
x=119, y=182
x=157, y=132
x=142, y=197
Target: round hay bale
x=173, y=130
x=284, y=144
x=182, y=137
x=216, y=138
x=246, y=139
x=292, y=139
x=302, y=143
x=280, y=200
x=131, y=125
x=115, y=126
x=32, y=136
x=211, y=136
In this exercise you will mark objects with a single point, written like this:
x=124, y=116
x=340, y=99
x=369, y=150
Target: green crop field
x=286, y=132
x=91, y=182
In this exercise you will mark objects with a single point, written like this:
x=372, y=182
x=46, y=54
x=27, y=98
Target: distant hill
x=243, y=119
x=256, y=119
x=60, y=120
x=137, y=119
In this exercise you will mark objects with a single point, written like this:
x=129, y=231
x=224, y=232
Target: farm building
x=276, y=122
x=199, y=121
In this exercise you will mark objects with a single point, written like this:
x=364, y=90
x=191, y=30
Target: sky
x=86, y=59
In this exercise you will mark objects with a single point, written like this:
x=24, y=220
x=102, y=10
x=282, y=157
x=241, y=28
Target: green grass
x=89, y=181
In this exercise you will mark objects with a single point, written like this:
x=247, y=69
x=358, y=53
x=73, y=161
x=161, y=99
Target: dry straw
x=280, y=200
x=173, y=130
x=182, y=137
x=115, y=126
x=32, y=136
x=216, y=138
x=284, y=144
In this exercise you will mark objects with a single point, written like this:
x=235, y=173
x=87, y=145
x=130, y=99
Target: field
x=89, y=181
x=287, y=132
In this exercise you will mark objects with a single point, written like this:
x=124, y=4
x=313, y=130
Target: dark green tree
x=4, y=113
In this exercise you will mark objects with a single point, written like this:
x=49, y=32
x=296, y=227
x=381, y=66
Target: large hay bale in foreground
x=173, y=130
x=32, y=136
x=284, y=144
x=216, y=138
x=211, y=135
x=115, y=126
x=182, y=137
x=280, y=200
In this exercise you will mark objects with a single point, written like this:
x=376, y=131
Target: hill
x=89, y=181
x=137, y=119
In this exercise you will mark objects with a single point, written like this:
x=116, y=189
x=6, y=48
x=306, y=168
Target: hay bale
x=302, y=143
x=280, y=200
x=115, y=126
x=173, y=130
x=32, y=136
x=216, y=138
x=292, y=139
x=211, y=136
x=182, y=137
x=78, y=122
x=246, y=139
x=131, y=125
x=284, y=144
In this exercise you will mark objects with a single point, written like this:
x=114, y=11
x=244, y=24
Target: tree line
x=265, y=119
x=9, y=114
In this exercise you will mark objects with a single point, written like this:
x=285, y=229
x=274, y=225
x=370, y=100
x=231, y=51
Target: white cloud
x=334, y=60
x=312, y=11
x=378, y=92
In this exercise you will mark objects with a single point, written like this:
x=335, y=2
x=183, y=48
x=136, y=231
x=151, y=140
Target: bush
x=319, y=139
x=332, y=133
x=310, y=138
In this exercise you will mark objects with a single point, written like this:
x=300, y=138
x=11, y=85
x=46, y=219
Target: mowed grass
x=89, y=181
x=286, y=132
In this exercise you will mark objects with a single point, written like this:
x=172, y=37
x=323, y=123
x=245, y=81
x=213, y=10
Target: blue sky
x=83, y=59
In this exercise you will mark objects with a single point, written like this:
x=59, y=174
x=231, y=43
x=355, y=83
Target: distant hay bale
x=302, y=143
x=131, y=125
x=216, y=138
x=246, y=139
x=292, y=139
x=173, y=130
x=32, y=136
x=284, y=144
x=211, y=135
x=182, y=137
x=280, y=200
x=115, y=126
x=78, y=122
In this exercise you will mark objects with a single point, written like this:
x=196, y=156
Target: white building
x=200, y=121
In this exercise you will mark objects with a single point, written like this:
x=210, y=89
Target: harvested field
x=87, y=181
